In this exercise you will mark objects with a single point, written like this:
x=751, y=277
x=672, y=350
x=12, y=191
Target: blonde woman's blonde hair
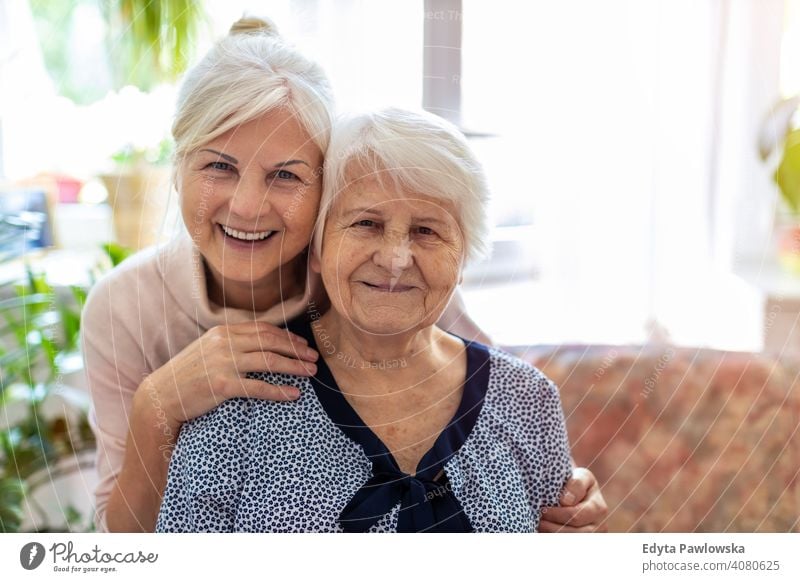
x=414, y=152
x=246, y=74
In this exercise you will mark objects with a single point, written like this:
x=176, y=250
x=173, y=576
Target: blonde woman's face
x=250, y=197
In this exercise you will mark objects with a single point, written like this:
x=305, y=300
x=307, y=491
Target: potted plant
x=139, y=194
x=45, y=437
x=38, y=342
x=148, y=45
x=151, y=42
x=779, y=143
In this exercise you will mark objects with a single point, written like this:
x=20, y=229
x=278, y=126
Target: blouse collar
x=183, y=276
x=426, y=504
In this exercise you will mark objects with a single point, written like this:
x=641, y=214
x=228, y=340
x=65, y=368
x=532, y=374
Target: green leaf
x=70, y=327
x=25, y=300
x=12, y=494
x=72, y=515
x=787, y=175
x=80, y=295
x=51, y=351
x=13, y=360
x=33, y=450
x=152, y=41
x=116, y=252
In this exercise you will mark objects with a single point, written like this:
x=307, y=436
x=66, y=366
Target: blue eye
x=365, y=223
x=221, y=166
x=425, y=231
x=286, y=175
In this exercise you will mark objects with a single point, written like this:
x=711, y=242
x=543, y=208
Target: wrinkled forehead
x=385, y=196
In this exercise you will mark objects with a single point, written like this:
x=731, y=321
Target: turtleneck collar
x=183, y=276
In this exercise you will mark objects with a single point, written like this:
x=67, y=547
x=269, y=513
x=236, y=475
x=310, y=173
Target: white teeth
x=241, y=235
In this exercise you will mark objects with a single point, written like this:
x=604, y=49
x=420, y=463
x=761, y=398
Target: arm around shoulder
x=115, y=367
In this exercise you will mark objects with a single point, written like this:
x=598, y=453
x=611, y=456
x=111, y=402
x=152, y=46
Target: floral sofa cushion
x=683, y=439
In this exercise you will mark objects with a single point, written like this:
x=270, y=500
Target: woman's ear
x=313, y=259
x=176, y=177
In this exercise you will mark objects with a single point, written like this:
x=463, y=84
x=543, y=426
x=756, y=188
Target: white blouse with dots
x=312, y=465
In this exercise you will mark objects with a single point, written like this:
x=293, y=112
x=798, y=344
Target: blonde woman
x=174, y=331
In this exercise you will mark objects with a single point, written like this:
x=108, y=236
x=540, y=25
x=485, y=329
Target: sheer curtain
x=24, y=83
x=630, y=128
x=619, y=138
x=370, y=49
x=620, y=150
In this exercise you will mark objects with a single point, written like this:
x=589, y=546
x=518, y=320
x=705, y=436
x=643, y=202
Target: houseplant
x=41, y=443
x=151, y=42
x=139, y=193
x=40, y=333
x=779, y=143
x=148, y=44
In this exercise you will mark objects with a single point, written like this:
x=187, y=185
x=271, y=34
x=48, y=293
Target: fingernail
x=293, y=393
x=568, y=498
x=301, y=340
x=312, y=354
x=311, y=368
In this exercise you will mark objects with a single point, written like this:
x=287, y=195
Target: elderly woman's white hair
x=246, y=74
x=413, y=152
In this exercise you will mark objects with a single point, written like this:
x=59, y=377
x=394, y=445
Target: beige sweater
x=138, y=317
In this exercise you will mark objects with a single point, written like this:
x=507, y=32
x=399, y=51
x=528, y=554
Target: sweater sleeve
x=114, y=366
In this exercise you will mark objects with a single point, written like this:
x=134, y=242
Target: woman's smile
x=241, y=240
x=387, y=287
x=246, y=234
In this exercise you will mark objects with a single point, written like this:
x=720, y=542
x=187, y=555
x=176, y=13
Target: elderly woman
x=173, y=331
x=404, y=427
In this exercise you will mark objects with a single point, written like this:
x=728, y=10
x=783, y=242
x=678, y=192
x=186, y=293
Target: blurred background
x=643, y=157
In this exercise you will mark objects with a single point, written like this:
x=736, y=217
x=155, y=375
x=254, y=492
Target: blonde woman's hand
x=582, y=508
x=212, y=369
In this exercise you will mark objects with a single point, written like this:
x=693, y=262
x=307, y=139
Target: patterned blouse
x=312, y=465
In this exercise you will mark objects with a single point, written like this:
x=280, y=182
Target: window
x=624, y=148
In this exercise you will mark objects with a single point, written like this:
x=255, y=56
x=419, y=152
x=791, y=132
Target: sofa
x=681, y=439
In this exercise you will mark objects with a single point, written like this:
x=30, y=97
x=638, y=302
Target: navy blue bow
x=425, y=506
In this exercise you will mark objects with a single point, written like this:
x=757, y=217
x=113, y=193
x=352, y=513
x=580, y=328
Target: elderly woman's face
x=390, y=261
x=250, y=197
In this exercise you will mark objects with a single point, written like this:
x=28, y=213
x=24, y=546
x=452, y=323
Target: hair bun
x=254, y=25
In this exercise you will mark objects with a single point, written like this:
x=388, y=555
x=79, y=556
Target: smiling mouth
x=245, y=236
x=388, y=287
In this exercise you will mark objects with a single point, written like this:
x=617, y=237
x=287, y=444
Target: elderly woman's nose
x=394, y=251
x=250, y=200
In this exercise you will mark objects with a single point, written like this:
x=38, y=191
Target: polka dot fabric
x=258, y=466
x=516, y=460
